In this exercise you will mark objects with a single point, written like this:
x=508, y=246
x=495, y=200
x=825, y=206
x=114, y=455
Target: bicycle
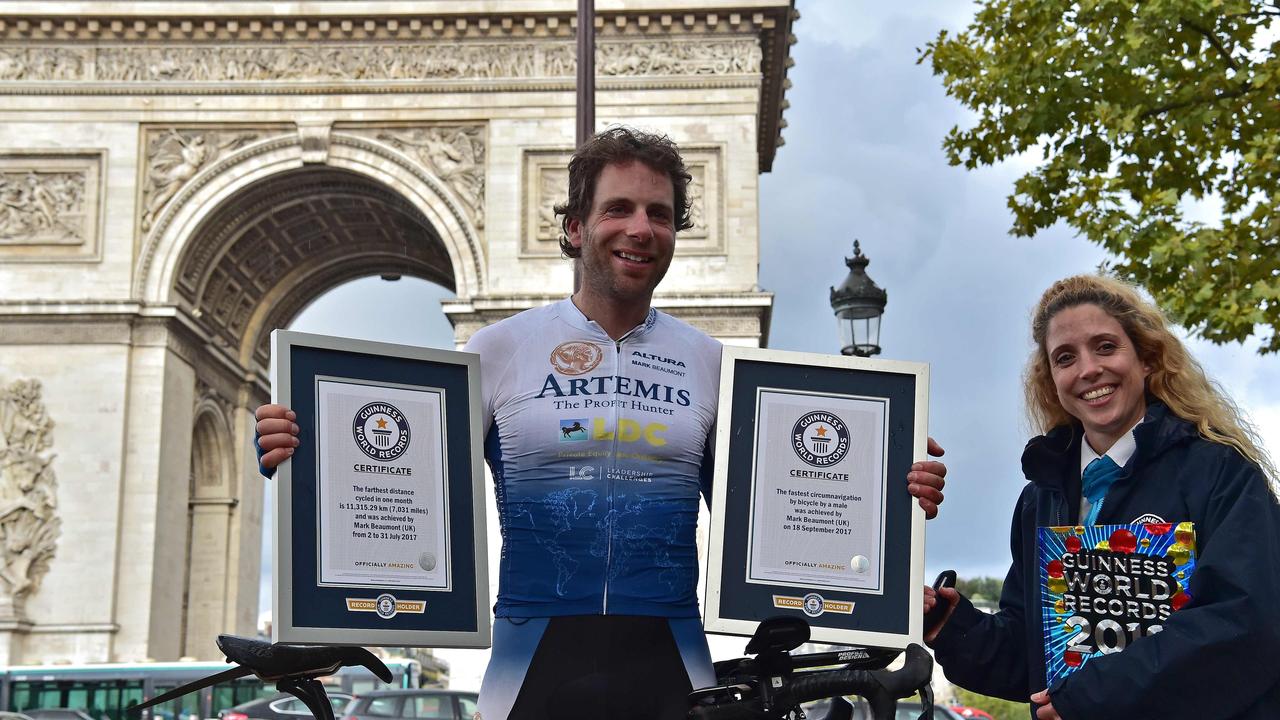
x=774, y=684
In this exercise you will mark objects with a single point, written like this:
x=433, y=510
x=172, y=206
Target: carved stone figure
x=175, y=156
x=29, y=529
x=697, y=201
x=42, y=206
x=551, y=185
x=373, y=62
x=455, y=154
x=43, y=63
x=704, y=57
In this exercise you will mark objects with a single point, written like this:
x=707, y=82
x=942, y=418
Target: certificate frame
x=874, y=601
x=317, y=604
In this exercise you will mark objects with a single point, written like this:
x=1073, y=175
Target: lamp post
x=858, y=304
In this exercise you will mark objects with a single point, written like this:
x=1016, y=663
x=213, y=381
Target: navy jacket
x=1218, y=657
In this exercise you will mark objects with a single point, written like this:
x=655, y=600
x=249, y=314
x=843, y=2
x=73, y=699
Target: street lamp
x=858, y=303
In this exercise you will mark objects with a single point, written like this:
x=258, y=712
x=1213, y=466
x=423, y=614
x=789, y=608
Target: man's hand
x=277, y=434
x=1047, y=712
x=948, y=595
x=924, y=482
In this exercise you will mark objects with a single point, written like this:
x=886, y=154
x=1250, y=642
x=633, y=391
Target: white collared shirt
x=1119, y=452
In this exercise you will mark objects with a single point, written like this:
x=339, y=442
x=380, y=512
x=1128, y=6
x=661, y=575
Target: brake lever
x=946, y=578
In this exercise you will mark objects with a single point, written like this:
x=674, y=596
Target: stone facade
x=178, y=179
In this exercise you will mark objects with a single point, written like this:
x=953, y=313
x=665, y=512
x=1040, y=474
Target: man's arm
x=277, y=431
x=926, y=480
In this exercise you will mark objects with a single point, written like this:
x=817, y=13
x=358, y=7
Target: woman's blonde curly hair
x=1176, y=378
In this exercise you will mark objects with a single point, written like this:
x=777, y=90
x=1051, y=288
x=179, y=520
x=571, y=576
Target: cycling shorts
x=622, y=667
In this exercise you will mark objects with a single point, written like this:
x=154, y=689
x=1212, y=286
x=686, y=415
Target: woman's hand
x=932, y=597
x=1046, y=712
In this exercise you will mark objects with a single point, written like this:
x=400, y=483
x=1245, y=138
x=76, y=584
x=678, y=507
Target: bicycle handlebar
x=881, y=688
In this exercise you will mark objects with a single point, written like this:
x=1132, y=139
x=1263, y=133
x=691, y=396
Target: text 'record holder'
x=379, y=517
x=810, y=511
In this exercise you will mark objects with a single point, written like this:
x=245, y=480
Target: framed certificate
x=810, y=512
x=380, y=522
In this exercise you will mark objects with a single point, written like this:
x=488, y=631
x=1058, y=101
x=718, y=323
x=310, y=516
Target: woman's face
x=1097, y=373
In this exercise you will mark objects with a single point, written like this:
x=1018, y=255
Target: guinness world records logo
x=813, y=604
x=381, y=431
x=820, y=439
x=385, y=606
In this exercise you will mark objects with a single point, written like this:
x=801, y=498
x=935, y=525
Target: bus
x=106, y=691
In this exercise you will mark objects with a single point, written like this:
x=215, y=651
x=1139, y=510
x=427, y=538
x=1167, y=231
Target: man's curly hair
x=620, y=145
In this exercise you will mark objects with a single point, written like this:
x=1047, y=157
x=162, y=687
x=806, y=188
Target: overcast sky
x=863, y=160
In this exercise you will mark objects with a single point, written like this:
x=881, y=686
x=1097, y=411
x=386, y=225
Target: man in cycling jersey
x=598, y=416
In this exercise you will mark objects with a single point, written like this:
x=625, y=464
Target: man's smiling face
x=628, y=237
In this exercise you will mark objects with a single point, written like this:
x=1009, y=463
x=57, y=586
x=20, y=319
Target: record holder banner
x=380, y=523
x=811, y=515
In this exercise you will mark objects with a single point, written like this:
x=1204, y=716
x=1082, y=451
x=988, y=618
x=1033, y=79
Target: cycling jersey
x=598, y=450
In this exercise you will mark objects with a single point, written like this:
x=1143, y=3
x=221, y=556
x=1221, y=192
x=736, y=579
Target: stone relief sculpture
x=697, y=201
x=374, y=62
x=316, y=63
x=43, y=63
x=175, y=156
x=42, y=207
x=455, y=154
x=29, y=528
x=668, y=57
x=551, y=184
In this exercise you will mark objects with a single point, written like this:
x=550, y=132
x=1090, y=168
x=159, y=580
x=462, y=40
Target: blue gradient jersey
x=599, y=450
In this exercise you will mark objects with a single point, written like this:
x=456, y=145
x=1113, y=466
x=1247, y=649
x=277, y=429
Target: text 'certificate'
x=817, y=503
x=382, y=490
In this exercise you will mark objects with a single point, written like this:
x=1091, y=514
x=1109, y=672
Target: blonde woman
x=1108, y=383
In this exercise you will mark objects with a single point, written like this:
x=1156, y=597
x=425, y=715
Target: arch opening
x=268, y=251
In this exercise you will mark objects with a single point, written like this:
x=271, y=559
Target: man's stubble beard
x=598, y=274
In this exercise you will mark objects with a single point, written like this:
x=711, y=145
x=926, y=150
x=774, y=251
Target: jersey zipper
x=613, y=459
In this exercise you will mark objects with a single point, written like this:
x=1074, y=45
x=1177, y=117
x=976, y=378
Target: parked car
x=420, y=704
x=281, y=707
x=971, y=713
x=905, y=711
x=862, y=711
x=57, y=714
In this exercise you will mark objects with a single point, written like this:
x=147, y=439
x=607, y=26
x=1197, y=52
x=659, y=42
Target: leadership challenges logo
x=381, y=431
x=820, y=439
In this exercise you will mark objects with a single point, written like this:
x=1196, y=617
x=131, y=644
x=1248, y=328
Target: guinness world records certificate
x=810, y=510
x=817, y=511
x=380, y=522
x=381, y=485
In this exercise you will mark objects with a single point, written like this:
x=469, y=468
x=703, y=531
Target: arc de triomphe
x=177, y=179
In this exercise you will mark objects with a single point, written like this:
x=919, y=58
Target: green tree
x=987, y=588
x=1139, y=109
x=996, y=707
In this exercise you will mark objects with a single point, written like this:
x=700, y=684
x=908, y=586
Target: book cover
x=1103, y=587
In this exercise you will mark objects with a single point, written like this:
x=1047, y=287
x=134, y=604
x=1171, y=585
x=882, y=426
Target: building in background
x=177, y=179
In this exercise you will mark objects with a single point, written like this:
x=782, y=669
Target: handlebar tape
x=881, y=688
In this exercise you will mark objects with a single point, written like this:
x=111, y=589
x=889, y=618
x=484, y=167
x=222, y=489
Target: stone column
x=153, y=531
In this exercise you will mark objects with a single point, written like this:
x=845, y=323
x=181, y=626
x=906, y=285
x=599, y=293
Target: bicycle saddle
x=293, y=668
x=276, y=662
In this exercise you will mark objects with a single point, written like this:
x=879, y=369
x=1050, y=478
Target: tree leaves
x=1144, y=114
